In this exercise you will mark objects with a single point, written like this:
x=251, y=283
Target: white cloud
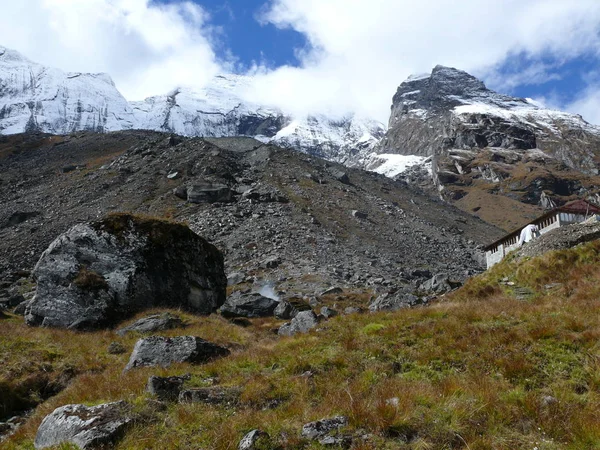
x=147, y=48
x=362, y=49
x=587, y=104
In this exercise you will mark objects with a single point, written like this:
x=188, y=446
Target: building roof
x=579, y=206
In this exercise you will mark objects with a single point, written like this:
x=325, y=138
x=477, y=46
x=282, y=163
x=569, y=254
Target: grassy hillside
x=511, y=360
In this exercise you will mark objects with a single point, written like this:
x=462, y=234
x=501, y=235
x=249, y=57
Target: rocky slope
x=280, y=217
x=488, y=148
x=37, y=98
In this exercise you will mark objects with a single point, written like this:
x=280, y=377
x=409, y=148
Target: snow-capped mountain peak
x=38, y=98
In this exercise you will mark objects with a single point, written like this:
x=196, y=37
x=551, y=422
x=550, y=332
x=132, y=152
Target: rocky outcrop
x=248, y=305
x=93, y=427
x=161, y=351
x=483, y=144
x=97, y=273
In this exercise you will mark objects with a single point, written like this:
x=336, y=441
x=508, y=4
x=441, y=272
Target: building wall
x=557, y=220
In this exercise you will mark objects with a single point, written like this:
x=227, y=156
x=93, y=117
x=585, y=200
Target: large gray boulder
x=248, y=305
x=87, y=427
x=97, y=273
x=162, y=351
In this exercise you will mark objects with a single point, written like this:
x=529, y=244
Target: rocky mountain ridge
x=35, y=98
x=488, y=149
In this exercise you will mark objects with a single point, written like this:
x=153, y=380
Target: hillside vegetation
x=511, y=360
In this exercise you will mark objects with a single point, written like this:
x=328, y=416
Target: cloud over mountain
x=357, y=54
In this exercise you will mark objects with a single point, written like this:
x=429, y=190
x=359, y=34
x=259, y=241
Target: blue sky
x=310, y=56
x=249, y=41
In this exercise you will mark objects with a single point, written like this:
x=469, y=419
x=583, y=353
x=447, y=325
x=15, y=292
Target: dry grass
x=481, y=370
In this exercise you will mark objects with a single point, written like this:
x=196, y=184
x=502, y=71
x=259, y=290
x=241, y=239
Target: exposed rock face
x=248, y=305
x=93, y=427
x=161, y=351
x=476, y=137
x=451, y=109
x=95, y=274
x=301, y=323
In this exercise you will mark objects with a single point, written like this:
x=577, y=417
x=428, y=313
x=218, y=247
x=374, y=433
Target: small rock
x=439, y=284
x=359, y=214
x=181, y=192
x=285, y=310
x=67, y=169
x=327, y=312
x=248, y=305
x=215, y=395
x=339, y=175
x=166, y=388
x=173, y=176
x=249, y=441
x=394, y=301
x=322, y=428
x=352, y=310
x=271, y=262
x=156, y=322
x=93, y=427
x=209, y=193
x=332, y=290
x=161, y=351
x=302, y=323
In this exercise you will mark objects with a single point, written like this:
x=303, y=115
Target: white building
x=573, y=212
